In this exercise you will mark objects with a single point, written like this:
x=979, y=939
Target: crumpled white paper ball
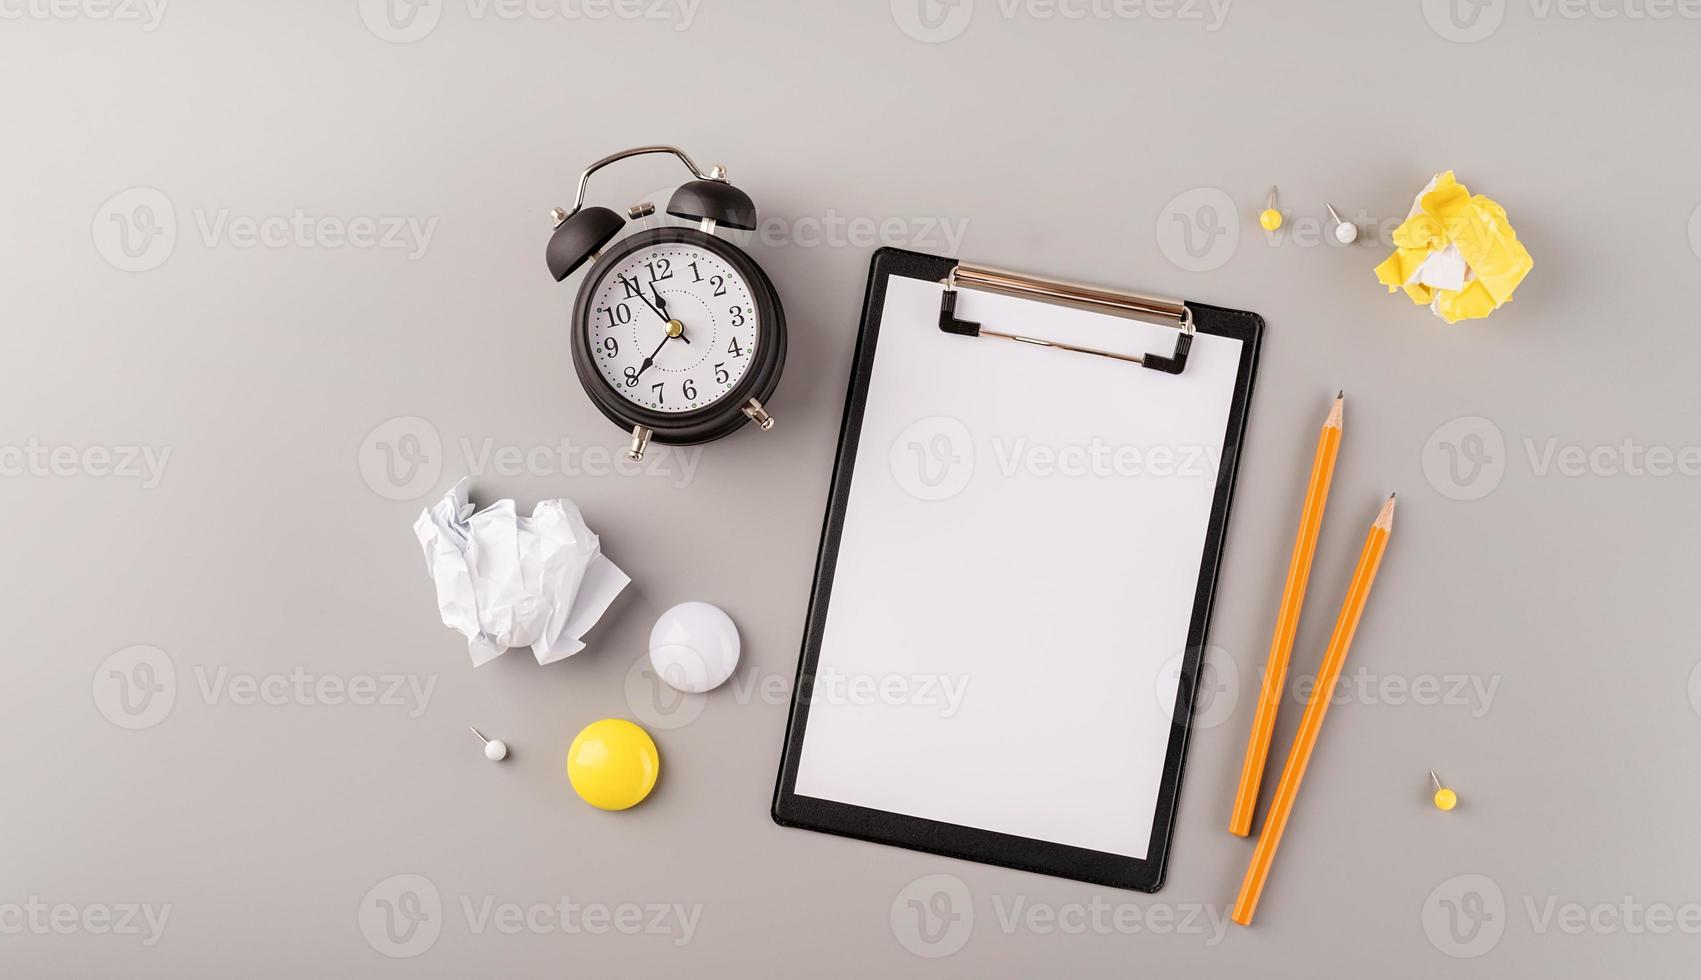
x=509, y=581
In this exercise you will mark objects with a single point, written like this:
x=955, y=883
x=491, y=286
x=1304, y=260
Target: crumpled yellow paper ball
x=1455, y=253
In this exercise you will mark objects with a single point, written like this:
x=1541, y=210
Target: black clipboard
x=970, y=843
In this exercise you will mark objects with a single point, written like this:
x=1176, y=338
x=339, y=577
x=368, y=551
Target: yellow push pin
x=1270, y=219
x=1445, y=799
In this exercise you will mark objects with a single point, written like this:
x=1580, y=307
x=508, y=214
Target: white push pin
x=1345, y=232
x=494, y=748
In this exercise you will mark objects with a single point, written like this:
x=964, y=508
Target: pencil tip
x=1385, y=519
x=1334, y=419
x=1341, y=394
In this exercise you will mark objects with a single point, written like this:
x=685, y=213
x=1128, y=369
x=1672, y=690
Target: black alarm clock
x=677, y=335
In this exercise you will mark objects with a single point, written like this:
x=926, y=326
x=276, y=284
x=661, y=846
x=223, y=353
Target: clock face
x=672, y=327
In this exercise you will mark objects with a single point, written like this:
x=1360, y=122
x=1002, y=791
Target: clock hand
x=646, y=299
x=645, y=366
x=661, y=306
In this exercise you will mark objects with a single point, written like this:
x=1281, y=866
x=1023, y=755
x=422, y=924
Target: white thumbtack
x=494, y=748
x=1345, y=232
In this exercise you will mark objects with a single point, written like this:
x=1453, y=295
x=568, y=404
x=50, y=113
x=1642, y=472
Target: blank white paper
x=1016, y=574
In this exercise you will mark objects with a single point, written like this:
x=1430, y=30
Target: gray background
x=270, y=544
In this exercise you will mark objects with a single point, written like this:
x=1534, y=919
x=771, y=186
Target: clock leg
x=758, y=414
x=640, y=442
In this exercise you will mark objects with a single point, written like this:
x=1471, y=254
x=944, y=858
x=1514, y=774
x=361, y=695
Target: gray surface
x=1058, y=143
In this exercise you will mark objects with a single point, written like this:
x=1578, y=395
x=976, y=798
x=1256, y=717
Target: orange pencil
x=1287, y=622
x=1311, y=723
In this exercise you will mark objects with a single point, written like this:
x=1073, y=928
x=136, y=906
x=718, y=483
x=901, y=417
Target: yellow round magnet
x=613, y=764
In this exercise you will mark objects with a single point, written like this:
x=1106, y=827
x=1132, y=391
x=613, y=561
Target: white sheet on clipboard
x=1016, y=574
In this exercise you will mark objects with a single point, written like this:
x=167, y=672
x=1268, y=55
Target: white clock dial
x=673, y=327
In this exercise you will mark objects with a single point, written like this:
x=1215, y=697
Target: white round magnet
x=694, y=647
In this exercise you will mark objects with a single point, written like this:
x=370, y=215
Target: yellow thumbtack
x=1270, y=219
x=1445, y=799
